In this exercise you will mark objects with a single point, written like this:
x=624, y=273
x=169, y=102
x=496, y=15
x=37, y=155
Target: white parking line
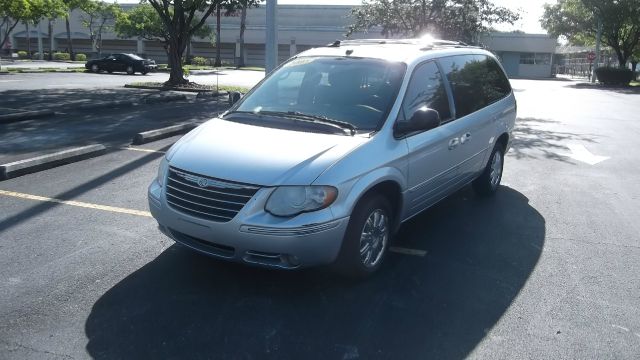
x=4, y=81
x=406, y=251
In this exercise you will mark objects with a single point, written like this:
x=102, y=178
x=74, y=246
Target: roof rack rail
x=427, y=45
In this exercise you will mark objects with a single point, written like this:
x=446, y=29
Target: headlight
x=293, y=200
x=162, y=170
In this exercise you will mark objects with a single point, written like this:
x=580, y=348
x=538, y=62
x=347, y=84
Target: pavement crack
x=13, y=346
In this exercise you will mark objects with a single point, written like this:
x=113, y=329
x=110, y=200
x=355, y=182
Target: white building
x=300, y=27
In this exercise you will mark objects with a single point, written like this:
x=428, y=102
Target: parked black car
x=129, y=63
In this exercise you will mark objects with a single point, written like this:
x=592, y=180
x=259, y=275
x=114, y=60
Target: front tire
x=130, y=70
x=367, y=238
x=487, y=183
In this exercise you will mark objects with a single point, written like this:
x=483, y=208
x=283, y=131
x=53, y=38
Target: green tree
x=244, y=5
x=452, y=19
x=99, y=17
x=71, y=6
x=51, y=10
x=178, y=19
x=577, y=20
x=144, y=22
x=11, y=13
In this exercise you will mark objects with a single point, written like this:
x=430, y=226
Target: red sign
x=591, y=56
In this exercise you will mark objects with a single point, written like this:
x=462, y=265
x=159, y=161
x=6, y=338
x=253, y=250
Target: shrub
x=61, y=56
x=614, y=76
x=81, y=57
x=199, y=61
x=22, y=54
x=37, y=55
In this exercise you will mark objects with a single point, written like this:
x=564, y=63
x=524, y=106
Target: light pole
x=271, y=45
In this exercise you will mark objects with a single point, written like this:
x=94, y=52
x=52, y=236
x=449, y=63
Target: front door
x=432, y=163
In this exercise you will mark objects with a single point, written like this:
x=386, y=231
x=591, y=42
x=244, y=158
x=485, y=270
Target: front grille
x=206, y=197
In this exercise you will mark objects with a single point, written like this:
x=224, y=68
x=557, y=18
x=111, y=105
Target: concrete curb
x=38, y=163
x=25, y=115
x=129, y=86
x=157, y=134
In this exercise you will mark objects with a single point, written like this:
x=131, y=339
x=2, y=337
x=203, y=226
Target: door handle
x=464, y=138
x=453, y=143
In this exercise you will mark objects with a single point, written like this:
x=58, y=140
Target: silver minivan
x=323, y=160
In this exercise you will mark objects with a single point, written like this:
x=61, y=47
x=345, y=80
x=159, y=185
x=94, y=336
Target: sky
x=530, y=11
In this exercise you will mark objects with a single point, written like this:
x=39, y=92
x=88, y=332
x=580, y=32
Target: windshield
x=135, y=57
x=353, y=90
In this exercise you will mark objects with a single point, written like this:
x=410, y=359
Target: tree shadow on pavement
x=480, y=253
x=533, y=139
x=54, y=99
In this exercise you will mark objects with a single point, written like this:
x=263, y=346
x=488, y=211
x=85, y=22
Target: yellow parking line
x=76, y=203
x=143, y=150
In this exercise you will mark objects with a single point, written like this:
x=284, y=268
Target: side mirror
x=234, y=97
x=422, y=119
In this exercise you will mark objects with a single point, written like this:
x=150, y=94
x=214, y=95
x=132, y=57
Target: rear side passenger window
x=476, y=81
x=426, y=89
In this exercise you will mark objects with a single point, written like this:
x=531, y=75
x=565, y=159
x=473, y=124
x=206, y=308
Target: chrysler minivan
x=326, y=157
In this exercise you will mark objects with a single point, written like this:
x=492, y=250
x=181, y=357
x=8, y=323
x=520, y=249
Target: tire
x=145, y=72
x=95, y=68
x=109, y=71
x=355, y=262
x=488, y=182
x=130, y=70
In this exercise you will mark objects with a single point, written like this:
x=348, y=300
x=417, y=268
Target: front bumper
x=254, y=236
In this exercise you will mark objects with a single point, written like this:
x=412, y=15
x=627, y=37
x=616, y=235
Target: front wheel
x=367, y=238
x=487, y=183
x=145, y=72
x=130, y=70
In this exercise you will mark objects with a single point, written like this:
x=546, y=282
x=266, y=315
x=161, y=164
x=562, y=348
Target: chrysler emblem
x=202, y=182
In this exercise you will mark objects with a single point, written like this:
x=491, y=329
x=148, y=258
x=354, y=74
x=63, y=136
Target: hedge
x=81, y=57
x=614, y=76
x=199, y=60
x=61, y=56
x=22, y=54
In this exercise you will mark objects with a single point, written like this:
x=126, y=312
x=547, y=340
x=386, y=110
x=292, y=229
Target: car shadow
x=480, y=253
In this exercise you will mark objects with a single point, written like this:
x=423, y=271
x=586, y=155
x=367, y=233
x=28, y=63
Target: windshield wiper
x=314, y=118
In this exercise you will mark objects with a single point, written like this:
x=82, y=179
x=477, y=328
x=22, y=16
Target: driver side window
x=426, y=88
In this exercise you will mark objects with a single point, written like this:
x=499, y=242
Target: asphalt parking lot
x=546, y=269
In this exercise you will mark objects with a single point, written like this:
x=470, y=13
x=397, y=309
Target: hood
x=259, y=155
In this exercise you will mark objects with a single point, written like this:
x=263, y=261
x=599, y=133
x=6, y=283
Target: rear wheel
x=95, y=68
x=130, y=70
x=487, y=183
x=145, y=72
x=367, y=238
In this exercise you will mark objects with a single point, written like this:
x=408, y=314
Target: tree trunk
x=50, y=29
x=26, y=25
x=218, y=60
x=187, y=58
x=69, y=43
x=176, y=76
x=243, y=26
x=634, y=66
